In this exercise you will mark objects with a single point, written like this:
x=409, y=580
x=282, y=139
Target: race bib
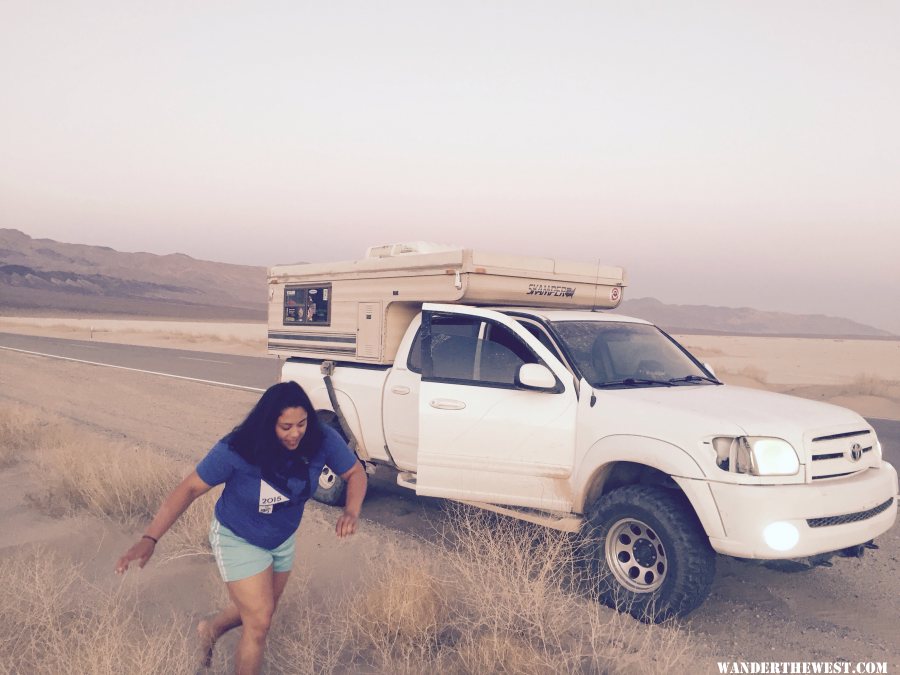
x=269, y=497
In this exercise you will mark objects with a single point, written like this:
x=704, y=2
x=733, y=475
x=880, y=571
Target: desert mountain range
x=42, y=277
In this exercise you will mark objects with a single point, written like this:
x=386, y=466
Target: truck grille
x=832, y=454
x=850, y=517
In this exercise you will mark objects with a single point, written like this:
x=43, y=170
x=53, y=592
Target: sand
x=863, y=375
x=248, y=339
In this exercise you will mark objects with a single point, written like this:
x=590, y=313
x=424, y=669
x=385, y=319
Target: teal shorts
x=238, y=559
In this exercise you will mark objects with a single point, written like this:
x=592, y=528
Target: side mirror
x=710, y=369
x=536, y=376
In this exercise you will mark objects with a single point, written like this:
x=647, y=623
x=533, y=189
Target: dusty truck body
x=493, y=380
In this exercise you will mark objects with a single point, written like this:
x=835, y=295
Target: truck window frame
x=423, y=333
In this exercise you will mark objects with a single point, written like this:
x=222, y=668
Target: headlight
x=756, y=455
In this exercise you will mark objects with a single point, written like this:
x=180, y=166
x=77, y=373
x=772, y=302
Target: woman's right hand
x=141, y=552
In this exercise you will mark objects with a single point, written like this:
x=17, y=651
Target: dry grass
x=85, y=472
x=752, y=373
x=703, y=352
x=21, y=430
x=55, y=623
x=866, y=384
x=492, y=596
x=189, y=535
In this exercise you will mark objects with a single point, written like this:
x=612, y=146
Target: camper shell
x=359, y=310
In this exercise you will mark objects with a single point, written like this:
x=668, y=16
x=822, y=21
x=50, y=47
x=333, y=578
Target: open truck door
x=496, y=412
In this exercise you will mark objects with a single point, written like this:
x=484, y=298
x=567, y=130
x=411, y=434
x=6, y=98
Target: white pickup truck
x=490, y=379
x=605, y=420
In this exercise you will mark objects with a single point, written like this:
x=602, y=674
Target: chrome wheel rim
x=327, y=478
x=636, y=556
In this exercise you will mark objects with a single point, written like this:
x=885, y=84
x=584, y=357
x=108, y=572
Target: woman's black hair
x=254, y=439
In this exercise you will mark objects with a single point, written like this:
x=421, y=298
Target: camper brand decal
x=548, y=289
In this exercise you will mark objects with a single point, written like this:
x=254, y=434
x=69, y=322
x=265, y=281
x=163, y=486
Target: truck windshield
x=627, y=355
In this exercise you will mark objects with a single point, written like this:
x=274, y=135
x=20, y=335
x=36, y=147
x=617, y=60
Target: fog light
x=781, y=536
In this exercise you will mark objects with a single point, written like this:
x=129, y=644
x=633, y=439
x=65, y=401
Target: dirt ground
x=848, y=611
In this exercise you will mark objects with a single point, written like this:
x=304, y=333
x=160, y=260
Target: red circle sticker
x=615, y=294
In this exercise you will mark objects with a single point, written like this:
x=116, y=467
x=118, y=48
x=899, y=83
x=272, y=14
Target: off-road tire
x=665, y=530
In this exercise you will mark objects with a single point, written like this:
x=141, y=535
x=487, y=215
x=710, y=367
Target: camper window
x=307, y=305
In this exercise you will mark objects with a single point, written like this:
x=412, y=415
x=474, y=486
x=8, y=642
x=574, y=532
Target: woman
x=270, y=465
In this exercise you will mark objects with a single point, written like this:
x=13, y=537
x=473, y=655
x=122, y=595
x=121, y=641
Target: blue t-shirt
x=258, y=511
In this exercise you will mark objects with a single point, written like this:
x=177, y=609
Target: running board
x=565, y=522
x=406, y=479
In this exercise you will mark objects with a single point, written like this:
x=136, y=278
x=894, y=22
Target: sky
x=724, y=153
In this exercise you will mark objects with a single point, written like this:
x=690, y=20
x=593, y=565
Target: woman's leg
x=210, y=630
x=255, y=598
x=279, y=581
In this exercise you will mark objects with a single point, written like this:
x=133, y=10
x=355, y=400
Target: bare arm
x=172, y=507
x=356, y=491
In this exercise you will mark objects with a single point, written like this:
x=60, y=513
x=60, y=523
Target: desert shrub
x=757, y=376
x=22, y=430
x=489, y=594
x=402, y=612
x=85, y=472
x=310, y=633
x=866, y=384
x=492, y=595
x=54, y=622
x=189, y=536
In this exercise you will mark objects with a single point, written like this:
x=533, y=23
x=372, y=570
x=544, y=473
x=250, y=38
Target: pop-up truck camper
x=500, y=381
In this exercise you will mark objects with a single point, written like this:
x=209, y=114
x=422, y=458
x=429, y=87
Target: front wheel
x=648, y=553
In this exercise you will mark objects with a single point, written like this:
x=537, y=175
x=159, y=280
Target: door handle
x=400, y=389
x=447, y=404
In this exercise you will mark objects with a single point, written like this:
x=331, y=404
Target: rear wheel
x=648, y=553
x=331, y=488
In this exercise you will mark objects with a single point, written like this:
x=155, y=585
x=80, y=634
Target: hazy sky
x=723, y=152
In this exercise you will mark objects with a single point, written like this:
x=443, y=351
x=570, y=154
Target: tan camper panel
x=359, y=310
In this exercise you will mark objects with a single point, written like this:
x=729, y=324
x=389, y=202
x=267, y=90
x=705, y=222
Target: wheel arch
x=616, y=461
x=322, y=404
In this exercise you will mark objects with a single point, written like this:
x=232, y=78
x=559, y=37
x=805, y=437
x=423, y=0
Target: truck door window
x=475, y=352
x=443, y=328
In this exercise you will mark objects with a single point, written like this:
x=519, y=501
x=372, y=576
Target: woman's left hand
x=346, y=525
x=356, y=490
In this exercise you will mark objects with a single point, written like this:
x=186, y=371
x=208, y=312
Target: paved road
x=247, y=371
x=243, y=371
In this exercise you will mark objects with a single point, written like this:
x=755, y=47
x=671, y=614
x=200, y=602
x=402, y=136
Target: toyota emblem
x=855, y=452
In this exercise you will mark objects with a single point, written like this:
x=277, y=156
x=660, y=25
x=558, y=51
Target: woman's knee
x=259, y=620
